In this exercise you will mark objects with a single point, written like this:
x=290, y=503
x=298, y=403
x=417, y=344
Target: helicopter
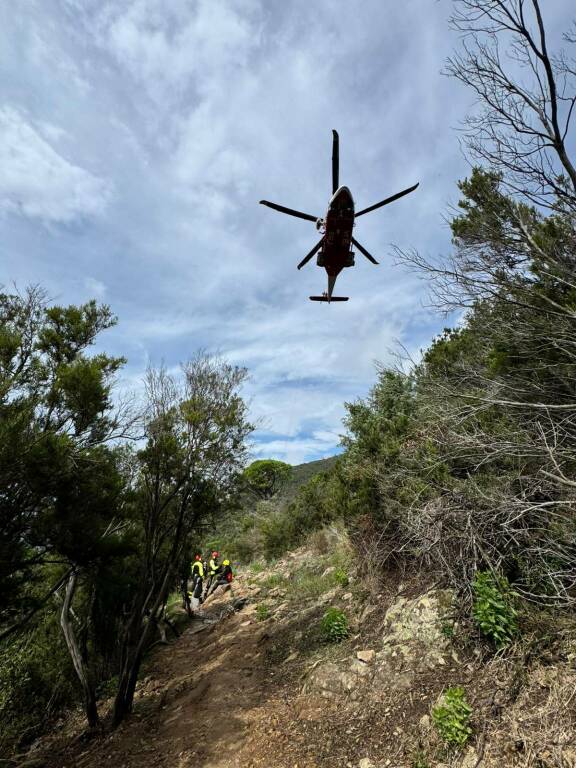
x=335, y=246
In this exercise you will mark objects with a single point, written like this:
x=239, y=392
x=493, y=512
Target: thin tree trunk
x=136, y=643
x=90, y=706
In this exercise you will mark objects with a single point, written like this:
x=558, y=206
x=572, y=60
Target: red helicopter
x=335, y=246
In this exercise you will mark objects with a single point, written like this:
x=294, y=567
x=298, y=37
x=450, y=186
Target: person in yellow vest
x=214, y=569
x=197, y=582
x=222, y=579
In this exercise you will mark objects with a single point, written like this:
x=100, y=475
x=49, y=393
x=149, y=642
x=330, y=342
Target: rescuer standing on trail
x=214, y=569
x=197, y=582
x=223, y=579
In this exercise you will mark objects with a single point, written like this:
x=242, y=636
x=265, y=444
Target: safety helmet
x=214, y=554
x=226, y=562
x=197, y=557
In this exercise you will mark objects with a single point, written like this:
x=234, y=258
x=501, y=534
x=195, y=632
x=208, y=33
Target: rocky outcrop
x=413, y=637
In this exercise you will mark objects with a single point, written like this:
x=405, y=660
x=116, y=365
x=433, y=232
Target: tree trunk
x=135, y=644
x=90, y=706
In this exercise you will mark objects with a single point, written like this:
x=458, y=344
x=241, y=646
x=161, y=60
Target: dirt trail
x=213, y=698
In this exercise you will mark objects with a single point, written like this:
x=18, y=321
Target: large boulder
x=413, y=640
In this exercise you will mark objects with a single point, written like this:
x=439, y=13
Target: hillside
x=257, y=683
x=301, y=473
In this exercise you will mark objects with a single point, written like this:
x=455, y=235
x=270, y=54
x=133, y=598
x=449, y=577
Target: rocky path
x=199, y=701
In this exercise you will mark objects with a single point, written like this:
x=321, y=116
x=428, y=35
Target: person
x=222, y=579
x=197, y=582
x=214, y=569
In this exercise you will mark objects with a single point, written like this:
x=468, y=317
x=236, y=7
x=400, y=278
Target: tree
x=60, y=487
x=526, y=96
x=266, y=477
x=497, y=395
x=55, y=410
x=196, y=435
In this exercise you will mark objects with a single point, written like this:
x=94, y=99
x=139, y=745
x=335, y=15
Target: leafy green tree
x=61, y=489
x=266, y=477
x=195, y=436
x=55, y=411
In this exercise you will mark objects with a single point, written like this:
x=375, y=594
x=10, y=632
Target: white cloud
x=37, y=182
x=165, y=46
x=194, y=110
x=96, y=288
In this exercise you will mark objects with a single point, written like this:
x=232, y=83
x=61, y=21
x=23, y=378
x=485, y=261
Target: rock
x=347, y=596
x=291, y=657
x=360, y=668
x=327, y=597
x=328, y=571
x=329, y=680
x=366, y=656
x=365, y=763
x=470, y=759
x=413, y=633
x=424, y=725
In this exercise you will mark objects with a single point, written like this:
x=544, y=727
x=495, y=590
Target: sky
x=137, y=137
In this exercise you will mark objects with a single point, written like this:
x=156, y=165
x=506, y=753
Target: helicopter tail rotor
x=335, y=160
x=387, y=200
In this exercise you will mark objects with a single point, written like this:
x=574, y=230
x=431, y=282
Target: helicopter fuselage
x=335, y=253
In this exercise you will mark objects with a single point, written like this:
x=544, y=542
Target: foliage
x=36, y=681
x=452, y=717
x=262, y=612
x=420, y=760
x=334, y=625
x=493, y=610
x=55, y=416
x=266, y=477
x=341, y=577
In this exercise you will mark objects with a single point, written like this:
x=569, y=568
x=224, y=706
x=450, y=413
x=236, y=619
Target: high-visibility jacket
x=213, y=566
x=197, y=568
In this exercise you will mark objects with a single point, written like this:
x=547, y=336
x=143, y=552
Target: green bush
x=37, y=680
x=452, y=717
x=341, y=577
x=262, y=612
x=493, y=610
x=334, y=625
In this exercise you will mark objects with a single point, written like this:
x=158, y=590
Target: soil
x=229, y=693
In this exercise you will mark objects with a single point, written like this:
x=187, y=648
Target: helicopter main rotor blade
x=307, y=258
x=364, y=251
x=335, y=161
x=388, y=200
x=289, y=211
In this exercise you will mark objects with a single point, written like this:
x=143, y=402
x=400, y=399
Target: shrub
x=341, y=577
x=334, y=625
x=493, y=610
x=452, y=717
x=262, y=612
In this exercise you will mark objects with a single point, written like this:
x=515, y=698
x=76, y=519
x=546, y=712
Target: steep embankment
x=260, y=686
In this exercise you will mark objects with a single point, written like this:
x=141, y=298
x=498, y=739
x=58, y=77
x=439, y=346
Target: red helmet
x=215, y=554
x=197, y=557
